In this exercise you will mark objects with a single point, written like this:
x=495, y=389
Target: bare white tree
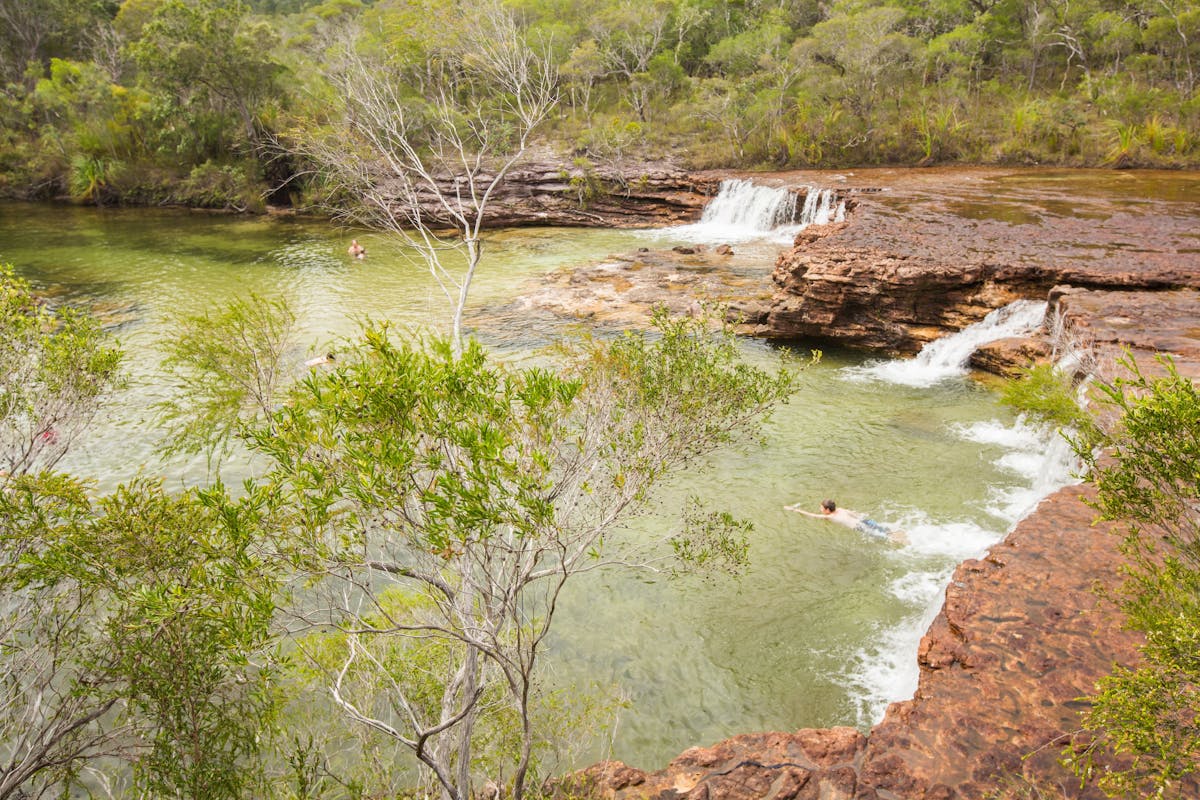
x=421, y=152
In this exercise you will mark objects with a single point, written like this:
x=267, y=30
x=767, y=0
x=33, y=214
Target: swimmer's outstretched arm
x=802, y=511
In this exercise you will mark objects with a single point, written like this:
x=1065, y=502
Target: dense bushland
x=182, y=101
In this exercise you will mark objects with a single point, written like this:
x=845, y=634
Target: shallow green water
x=821, y=631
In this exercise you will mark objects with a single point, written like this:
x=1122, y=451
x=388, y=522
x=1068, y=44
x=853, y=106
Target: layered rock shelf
x=544, y=189
x=1022, y=635
x=928, y=257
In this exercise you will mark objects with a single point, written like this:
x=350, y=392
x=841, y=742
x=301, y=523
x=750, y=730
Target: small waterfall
x=821, y=207
x=948, y=356
x=744, y=210
x=1040, y=461
x=743, y=204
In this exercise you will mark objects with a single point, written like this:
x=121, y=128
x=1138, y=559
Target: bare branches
x=421, y=156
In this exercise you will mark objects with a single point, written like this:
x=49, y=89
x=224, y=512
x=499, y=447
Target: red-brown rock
x=1023, y=635
x=939, y=250
x=805, y=765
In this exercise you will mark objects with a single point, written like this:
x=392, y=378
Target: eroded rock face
x=548, y=189
x=929, y=256
x=1022, y=636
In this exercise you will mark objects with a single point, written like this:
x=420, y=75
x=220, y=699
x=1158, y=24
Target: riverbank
x=1021, y=637
x=1023, y=633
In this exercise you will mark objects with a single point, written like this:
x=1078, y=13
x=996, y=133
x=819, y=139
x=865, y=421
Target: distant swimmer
x=356, y=249
x=318, y=361
x=852, y=519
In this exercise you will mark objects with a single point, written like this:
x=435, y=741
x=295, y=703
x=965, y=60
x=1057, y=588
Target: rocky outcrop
x=548, y=189
x=830, y=289
x=808, y=764
x=1023, y=635
x=1109, y=323
x=914, y=263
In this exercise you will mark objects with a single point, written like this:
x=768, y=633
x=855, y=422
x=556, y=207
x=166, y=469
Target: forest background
x=189, y=101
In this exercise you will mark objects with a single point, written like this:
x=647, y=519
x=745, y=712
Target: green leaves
x=442, y=450
x=469, y=492
x=56, y=370
x=1147, y=475
x=1155, y=477
x=143, y=603
x=229, y=366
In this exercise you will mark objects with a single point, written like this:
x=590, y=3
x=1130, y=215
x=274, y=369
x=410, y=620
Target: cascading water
x=743, y=204
x=1038, y=456
x=744, y=210
x=947, y=357
x=821, y=207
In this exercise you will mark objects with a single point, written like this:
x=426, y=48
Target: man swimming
x=852, y=519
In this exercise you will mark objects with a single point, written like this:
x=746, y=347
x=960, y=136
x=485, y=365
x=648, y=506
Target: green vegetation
x=186, y=101
x=383, y=592
x=1046, y=394
x=1146, y=719
x=135, y=626
x=1140, y=444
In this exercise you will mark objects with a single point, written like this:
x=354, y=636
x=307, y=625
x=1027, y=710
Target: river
x=823, y=628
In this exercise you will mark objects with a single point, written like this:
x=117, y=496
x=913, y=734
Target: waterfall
x=1037, y=457
x=743, y=204
x=947, y=357
x=821, y=207
x=744, y=210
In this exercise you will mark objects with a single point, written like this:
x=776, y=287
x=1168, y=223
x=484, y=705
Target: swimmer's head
x=828, y=506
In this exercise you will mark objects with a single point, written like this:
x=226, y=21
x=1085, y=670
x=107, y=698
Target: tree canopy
x=158, y=100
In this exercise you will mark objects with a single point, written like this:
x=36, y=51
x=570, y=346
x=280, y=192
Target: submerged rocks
x=623, y=290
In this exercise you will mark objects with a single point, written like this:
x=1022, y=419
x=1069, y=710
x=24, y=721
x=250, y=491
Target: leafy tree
x=864, y=49
x=34, y=31
x=441, y=500
x=56, y=372
x=229, y=369
x=1147, y=475
x=629, y=36
x=133, y=626
x=209, y=57
x=136, y=626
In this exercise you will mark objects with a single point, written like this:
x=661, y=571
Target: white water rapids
x=1038, y=457
x=947, y=357
x=744, y=210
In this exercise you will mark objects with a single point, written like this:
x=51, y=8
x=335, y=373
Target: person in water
x=356, y=249
x=318, y=361
x=852, y=519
